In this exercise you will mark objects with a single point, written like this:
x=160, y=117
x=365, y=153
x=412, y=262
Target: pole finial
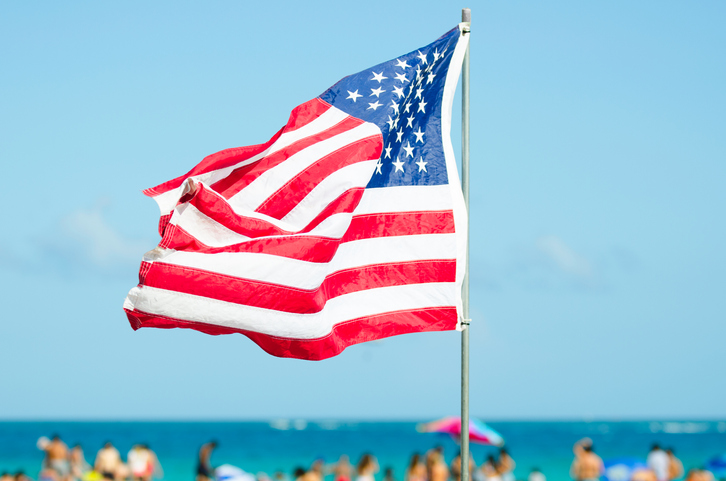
x=466, y=15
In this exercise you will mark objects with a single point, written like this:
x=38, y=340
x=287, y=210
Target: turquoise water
x=284, y=444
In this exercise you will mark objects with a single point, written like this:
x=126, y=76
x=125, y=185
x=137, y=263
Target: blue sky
x=598, y=168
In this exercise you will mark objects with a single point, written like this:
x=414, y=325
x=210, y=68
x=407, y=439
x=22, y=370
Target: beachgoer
x=56, y=457
x=298, y=474
x=79, y=465
x=456, y=467
x=21, y=476
x=6, y=476
x=388, y=474
x=315, y=473
x=108, y=461
x=505, y=465
x=658, y=461
x=588, y=466
x=342, y=470
x=204, y=466
x=489, y=471
x=143, y=463
x=436, y=468
x=536, y=475
x=675, y=466
x=367, y=468
x=416, y=469
x=643, y=474
x=48, y=474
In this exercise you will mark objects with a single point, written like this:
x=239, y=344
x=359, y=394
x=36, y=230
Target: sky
x=598, y=161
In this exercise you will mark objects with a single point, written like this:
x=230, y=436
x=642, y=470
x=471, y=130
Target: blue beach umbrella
x=622, y=469
x=717, y=465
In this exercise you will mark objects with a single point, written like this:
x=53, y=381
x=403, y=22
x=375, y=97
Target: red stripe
x=242, y=177
x=343, y=335
x=305, y=113
x=289, y=299
x=345, y=203
x=287, y=197
x=321, y=249
x=219, y=160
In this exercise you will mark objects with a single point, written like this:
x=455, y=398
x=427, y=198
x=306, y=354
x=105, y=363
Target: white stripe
x=411, y=198
x=331, y=117
x=205, y=229
x=310, y=275
x=289, y=325
x=329, y=189
x=252, y=196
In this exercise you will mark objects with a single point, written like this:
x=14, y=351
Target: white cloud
x=97, y=241
x=565, y=258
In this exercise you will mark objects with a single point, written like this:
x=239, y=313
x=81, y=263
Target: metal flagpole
x=465, y=17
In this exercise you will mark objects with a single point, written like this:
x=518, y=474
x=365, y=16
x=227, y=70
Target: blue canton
x=403, y=97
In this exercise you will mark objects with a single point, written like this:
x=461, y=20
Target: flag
x=347, y=226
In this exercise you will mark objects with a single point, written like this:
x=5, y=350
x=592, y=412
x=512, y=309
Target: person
x=143, y=463
x=588, y=466
x=456, y=467
x=436, y=468
x=108, y=461
x=505, y=465
x=5, y=476
x=536, y=475
x=21, y=476
x=388, y=474
x=298, y=474
x=56, y=457
x=416, y=470
x=342, y=470
x=315, y=473
x=643, y=474
x=367, y=468
x=204, y=466
x=675, y=466
x=658, y=461
x=78, y=463
x=488, y=469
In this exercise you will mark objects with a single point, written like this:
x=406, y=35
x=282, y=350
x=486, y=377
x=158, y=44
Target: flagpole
x=465, y=17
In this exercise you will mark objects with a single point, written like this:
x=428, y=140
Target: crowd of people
x=62, y=463
x=660, y=465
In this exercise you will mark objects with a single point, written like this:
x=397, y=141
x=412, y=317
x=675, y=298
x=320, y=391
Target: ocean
x=282, y=445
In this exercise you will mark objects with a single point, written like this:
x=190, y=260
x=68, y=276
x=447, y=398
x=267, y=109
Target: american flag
x=347, y=226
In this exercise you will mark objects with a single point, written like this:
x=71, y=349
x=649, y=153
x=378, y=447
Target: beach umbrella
x=478, y=431
x=717, y=464
x=622, y=469
x=227, y=472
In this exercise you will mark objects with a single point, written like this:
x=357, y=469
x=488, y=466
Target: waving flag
x=347, y=226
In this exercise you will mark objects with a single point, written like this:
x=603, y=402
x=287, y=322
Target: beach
x=282, y=445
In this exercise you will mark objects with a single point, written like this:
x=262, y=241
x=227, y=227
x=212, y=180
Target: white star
x=388, y=152
x=398, y=91
x=409, y=121
x=377, y=92
x=421, y=165
x=378, y=167
x=399, y=135
x=419, y=91
x=403, y=64
x=375, y=105
x=353, y=95
x=419, y=135
x=389, y=122
x=401, y=77
x=394, y=105
x=422, y=57
x=411, y=88
x=431, y=78
x=419, y=76
x=422, y=106
x=379, y=77
x=408, y=149
x=407, y=107
x=436, y=55
x=399, y=165
x=395, y=122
